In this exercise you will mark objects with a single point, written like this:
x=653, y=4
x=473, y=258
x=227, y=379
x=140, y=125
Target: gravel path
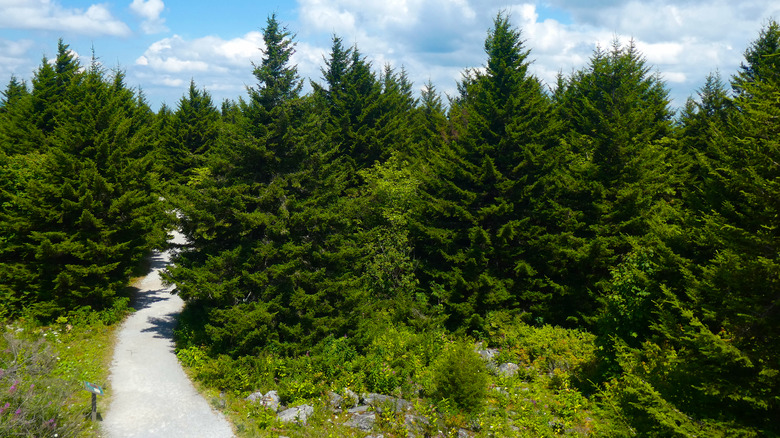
x=151, y=395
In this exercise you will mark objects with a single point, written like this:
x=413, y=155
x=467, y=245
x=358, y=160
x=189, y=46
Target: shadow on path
x=142, y=300
x=162, y=326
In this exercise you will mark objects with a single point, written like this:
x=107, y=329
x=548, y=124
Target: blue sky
x=163, y=44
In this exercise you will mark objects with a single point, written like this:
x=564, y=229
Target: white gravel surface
x=150, y=394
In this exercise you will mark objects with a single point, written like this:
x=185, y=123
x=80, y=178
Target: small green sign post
x=96, y=390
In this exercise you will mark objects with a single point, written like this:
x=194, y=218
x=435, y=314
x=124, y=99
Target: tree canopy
x=366, y=207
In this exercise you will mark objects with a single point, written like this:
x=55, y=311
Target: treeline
x=359, y=207
x=79, y=201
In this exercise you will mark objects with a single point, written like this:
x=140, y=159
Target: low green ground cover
x=447, y=382
x=43, y=369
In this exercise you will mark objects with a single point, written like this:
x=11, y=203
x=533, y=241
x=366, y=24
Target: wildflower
x=4, y=408
x=18, y=412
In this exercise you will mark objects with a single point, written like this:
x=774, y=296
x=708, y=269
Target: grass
x=43, y=370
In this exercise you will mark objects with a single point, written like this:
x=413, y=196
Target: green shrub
x=242, y=375
x=380, y=377
x=461, y=376
x=335, y=357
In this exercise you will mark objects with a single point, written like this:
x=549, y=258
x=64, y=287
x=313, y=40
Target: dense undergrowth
x=448, y=383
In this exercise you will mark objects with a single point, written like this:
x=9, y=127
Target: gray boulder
x=381, y=402
x=363, y=421
x=488, y=354
x=270, y=400
x=508, y=369
x=254, y=396
x=334, y=400
x=297, y=414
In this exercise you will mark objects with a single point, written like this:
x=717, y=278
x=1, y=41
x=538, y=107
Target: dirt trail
x=150, y=394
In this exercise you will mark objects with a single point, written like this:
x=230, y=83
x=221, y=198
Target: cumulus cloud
x=49, y=15
x=14, y=59
x=220, y=65
x=150, y=11
x=210, y=53
x=432, y=39
x=437, y=39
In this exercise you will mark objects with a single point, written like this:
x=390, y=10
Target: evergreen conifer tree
x=486, y=188
x=83, y=211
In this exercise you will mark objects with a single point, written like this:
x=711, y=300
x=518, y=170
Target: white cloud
x=675, y=77
x=150, y=11
x=210, y=53
x=431, y=39
x=49, y=15
x=437, y=39
x=171, y=82
x=662, y=53
x=14, y=59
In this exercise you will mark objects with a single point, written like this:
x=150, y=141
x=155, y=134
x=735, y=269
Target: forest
x=360, y=233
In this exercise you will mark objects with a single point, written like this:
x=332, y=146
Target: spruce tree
x=18, y=133
x=481, y=220
x=619, y=124
x=762, y=59
x=188, y=134
x=83, y=211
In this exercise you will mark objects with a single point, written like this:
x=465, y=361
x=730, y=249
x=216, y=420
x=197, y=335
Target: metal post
x=94, y=407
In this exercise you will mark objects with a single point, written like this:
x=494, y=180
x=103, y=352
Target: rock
x=380, y=402
x=463, y=433
x=508, y=369
x=357, y=409
x=363, y=421
x=270, y=400
x=415, y=423
x=254, y=396
x=297, y=414
x=334, y=400
x=488, y=354
x=350, y=398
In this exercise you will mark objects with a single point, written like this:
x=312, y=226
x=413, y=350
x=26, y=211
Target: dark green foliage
x=461, y=376
x=705, y=366
x=186, y=135
x=762, y=60
x=79, y=209
x=481, y=237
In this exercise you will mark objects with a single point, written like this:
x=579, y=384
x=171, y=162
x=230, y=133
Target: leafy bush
x=543, y=349
x=460, y=375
